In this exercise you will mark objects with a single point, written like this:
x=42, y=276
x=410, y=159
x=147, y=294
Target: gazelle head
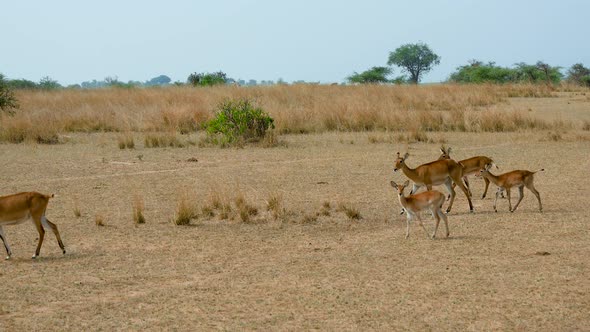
x=445, y=153
x=485, y=169
x=400, y=187
x=400, y=161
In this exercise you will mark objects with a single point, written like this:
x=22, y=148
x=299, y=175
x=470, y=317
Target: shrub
x=7, y=100
x=238, y=121
x=207, y=79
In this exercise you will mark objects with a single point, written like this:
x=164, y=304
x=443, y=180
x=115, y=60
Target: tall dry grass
x=296, y=109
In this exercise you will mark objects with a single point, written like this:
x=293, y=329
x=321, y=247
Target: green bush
x=7, y=100
x=238, y=121
x=207, y=79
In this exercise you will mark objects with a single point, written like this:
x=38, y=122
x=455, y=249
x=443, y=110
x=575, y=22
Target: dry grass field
x=305, y=235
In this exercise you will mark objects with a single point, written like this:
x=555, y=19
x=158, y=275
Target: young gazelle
x=471, y=166
x=429, y=200
x=518, y=178
x=18, y=208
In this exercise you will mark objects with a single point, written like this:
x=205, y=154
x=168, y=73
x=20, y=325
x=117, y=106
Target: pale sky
x=74, y=41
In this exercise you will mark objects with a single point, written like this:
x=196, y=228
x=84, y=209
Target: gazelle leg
x=6, y=246
x=496, y=200
x=485, y=191
x=437, y=221
x=53, y=228
x=421, y=224
x=520, y=196
x=415, y=188
x=459, y=183
x=509, y=202
x=41, y=235
x=444, y=218
x=466, y=182
x=408, y=218
x=449, y=185
x=532, y=188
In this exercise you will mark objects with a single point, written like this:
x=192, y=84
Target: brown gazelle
x=17, y=208
x=435, y=173
x=518, y=178
x=471, y=166
x=431, y=200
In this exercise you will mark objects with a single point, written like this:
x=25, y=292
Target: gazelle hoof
x=34, y=257
x=64, y=251
x=7, y=258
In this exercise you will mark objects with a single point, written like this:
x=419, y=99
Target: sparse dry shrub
x=274, y=204
x=350, y=211
x=586, y=125
x=162, y=140
x=126, y=141
x=76, y=209
x=99, y=220
x=138, y=207
x=186, y=210
x=245, y=210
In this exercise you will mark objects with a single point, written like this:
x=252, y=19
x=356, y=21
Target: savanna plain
x=303, y=230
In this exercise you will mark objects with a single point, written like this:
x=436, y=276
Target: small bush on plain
x=238, y=121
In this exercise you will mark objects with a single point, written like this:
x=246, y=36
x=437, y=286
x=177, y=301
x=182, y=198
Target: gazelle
x=471, y=166
x=429, y=200
x=518, y=178
x=435, y=173
x=17, y=208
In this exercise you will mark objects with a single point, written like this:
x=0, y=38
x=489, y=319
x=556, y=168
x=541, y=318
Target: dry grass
x=138, y=207
x=186, y=209
x=498, y=271
x=126, y=141
x=296, y=109
x=99, y=220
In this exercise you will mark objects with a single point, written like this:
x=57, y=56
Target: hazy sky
x=75, y=41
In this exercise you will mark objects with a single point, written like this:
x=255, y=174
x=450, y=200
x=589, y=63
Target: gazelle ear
x=449, y=150
x=406, y=155
x=442, y=149
x=393, y=184
x=398, y=154
x=406, y=183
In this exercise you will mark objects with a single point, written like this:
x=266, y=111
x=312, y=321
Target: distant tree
x=8, y=101
x=252, y=82
x=578, y=74
x=207, y=79
x=160, y=80
x=47, y=83
x=374, y=75
x=22, y=84
x=538, y=73
x=74, y=86
x=478, y=72
x=415, y=59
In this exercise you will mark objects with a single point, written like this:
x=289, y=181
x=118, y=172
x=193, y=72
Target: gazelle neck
x=409, y=172
x=490, y=177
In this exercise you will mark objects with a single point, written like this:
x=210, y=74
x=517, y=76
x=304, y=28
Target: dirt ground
x=498, y=271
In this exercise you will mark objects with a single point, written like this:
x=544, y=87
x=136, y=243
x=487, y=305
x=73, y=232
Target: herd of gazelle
x=17, y=208
x=445, y=171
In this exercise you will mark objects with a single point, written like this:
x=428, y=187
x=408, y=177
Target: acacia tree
x=415, y=59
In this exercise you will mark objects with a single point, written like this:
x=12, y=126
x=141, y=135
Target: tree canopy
x=374, y=75
x=415, y=59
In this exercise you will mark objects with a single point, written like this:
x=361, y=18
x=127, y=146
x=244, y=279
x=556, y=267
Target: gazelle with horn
x=18, y=208
x=431, y=200
x=445, y=172
x=471, y=166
